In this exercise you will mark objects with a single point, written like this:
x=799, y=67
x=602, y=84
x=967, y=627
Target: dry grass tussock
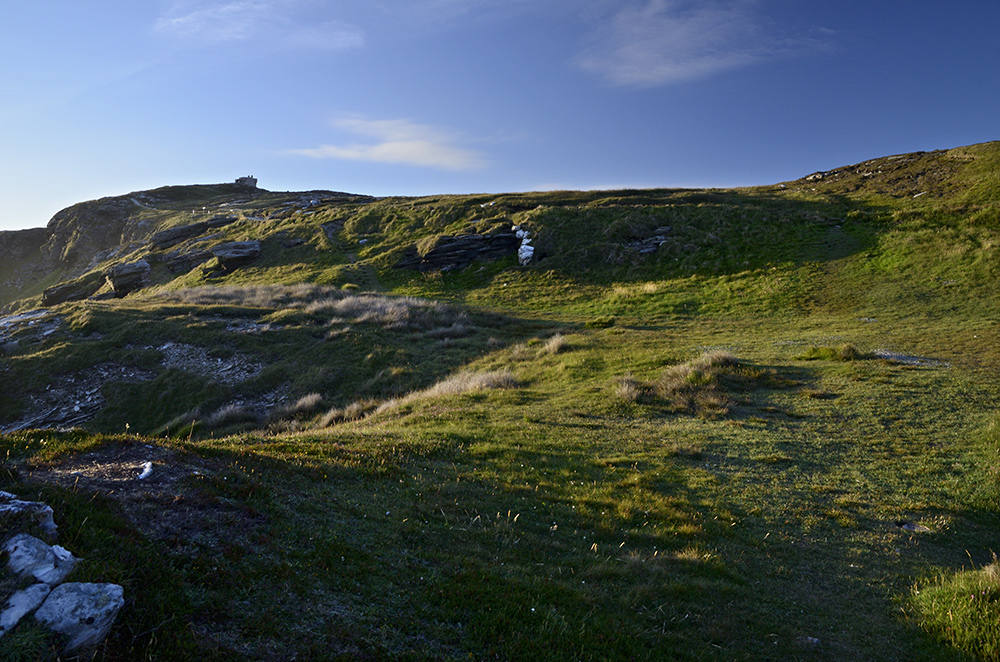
x=230, y=414
x=352, y=412
x=305, y=405
x=250, y=296
x=556, y=344
x=397, y=313
x=698, y=386
x=463, y=382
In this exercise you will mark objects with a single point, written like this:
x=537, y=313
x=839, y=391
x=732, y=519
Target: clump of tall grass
x=963, y=609
x=352, y=412
x=462, y=382
x=250, y=296
x=342, y=306
x=305, y=405
x=556, y=344
x=631, y=389
x=699, y=386
x=231, y=414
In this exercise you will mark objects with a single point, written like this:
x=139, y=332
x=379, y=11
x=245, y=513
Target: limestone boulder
x=233, y=254
x=27, y=555
x=128, y=277
x=84, y=613
x=73, y=290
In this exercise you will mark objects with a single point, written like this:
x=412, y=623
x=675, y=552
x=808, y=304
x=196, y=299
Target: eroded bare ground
x=69, y=400
x=169, y=495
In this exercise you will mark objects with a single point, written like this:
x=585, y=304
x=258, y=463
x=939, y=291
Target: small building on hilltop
x=249, y=181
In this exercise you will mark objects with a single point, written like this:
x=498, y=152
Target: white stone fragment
x=526, y=251
x=147, y=469
x=84, y=613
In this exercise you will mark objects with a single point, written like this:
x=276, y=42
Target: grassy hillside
x=699, y=424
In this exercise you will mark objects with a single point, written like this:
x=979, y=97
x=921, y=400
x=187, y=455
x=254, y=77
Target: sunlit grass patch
x=963, y=608
x=845, y=352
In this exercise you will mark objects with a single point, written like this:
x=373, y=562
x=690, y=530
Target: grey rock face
x=173, y=236
x=233, y=254
x=71, y=291
x=450, y=253
x=30, y=556
x=125, y=278
x=179, y=262
x=83, y=613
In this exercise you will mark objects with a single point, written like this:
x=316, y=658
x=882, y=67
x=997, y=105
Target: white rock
x=147, y=469
x=22, y=603
x=30, y=556
x=84, y=613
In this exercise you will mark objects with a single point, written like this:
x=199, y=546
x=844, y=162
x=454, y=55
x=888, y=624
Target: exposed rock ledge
x=448, y=253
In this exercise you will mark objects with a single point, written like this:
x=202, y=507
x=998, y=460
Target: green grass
x=963, y=608
x=608, y=455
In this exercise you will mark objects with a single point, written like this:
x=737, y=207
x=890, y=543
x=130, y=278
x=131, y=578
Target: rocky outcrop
x=85, y=229
x=19, y=244
x=233, y=254
x=19, y=259
x=128, y=277
x=447, y=253
x=179, y=262
x=82, y=613
x=173, y=236
x=73, y=290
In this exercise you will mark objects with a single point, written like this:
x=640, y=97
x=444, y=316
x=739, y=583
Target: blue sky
x=411, y=97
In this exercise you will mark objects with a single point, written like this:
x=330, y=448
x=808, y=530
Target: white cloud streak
x=283, y=22
x=658, y=42
x=399, y=142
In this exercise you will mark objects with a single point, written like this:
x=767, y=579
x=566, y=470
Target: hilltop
x=754, y=423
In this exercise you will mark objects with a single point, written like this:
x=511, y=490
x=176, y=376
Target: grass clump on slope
x=700, y=386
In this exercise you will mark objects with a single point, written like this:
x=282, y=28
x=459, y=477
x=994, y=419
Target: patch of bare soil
x=165, y=493
x=196, y=360
x=73, y=399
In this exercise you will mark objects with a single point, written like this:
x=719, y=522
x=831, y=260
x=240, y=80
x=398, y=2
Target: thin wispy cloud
x=284, y=22
x=401, y=142
x=657, y=42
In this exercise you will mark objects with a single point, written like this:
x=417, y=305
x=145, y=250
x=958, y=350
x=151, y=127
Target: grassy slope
x=559, y=520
